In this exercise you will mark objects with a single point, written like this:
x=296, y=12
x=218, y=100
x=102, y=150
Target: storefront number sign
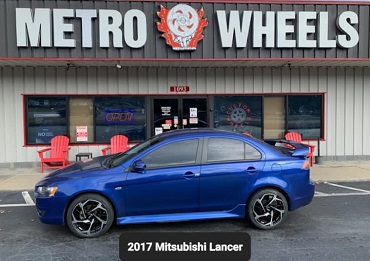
x=179, y=89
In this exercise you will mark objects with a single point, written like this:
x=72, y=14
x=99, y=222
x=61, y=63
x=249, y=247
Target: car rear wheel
x=90, y=215
x=267, y=208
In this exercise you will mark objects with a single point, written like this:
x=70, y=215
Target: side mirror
x=139, y=166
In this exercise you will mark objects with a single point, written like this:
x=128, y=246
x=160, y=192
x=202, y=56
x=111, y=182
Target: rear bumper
x=305, y=196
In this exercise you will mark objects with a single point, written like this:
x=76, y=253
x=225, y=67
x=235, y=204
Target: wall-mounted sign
x=182, y=26
x=119, y=117
x=286, y=29
x=179, y=89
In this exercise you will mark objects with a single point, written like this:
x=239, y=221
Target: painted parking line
x=346, y=187
x=16, y=205
x=317, y=193
x=359, y=192
x=27, y=198
x=342, y=194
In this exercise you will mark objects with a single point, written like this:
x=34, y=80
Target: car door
x=228, y=165
x=170, y=181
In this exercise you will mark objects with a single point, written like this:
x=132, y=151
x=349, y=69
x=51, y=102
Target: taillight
x=306, y=164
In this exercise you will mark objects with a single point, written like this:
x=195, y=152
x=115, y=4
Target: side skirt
x=237, y=212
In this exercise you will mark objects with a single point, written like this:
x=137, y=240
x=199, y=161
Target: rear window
x=281, y=147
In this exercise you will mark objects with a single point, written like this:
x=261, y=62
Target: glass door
x=165, y=115
x=177, y=113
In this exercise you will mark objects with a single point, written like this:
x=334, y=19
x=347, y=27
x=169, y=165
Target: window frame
x=321, y=115
x=27, y=97
x=285, y=96
x=205, y=152
x=197, y=156
x=27, y=121
x=147, y=108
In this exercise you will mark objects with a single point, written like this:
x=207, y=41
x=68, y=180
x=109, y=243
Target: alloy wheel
x=267, y=208
x=90, y=216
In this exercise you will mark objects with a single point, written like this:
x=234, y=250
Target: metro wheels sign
x=182, y=26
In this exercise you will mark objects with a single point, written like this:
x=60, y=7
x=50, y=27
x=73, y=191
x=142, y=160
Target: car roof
x=198, y=131
x=193, y=132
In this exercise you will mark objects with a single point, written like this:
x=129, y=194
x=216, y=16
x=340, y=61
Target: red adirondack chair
x=58, y=154
x=297, y=137
x=118, y=143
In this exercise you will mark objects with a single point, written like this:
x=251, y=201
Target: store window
x=120, y=115
x=239, y=113
x=271, y=116
x=46, y=118
x=305, y=115
x=84, y=119
x=81, y=120
x=274, y=117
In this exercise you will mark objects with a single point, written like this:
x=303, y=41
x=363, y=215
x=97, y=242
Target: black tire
x=89, y=215
x=267, y=209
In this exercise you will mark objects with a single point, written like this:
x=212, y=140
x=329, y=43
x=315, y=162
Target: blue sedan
x=189, y=174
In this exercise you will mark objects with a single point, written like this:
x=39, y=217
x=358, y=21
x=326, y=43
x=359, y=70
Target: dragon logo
x=182, y=26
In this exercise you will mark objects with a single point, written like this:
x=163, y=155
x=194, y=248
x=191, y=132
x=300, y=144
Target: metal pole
x=318, y=159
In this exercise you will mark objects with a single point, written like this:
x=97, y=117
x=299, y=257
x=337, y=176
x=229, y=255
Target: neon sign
x=118, y=117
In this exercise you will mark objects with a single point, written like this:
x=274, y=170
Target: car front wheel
x=267, y=208
x=90, y=215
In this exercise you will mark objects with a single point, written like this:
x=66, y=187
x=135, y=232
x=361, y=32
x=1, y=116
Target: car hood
x=90, y=166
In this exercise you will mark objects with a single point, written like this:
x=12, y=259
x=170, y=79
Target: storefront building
x=93, y=69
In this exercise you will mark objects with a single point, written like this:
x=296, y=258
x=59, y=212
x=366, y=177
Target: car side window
x=173, y=154
x=223, y=149
x=251, y=153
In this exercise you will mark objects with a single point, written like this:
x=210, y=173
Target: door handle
x=189, y=175
x=251, y=170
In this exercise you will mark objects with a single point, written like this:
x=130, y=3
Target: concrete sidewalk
x=26, y=178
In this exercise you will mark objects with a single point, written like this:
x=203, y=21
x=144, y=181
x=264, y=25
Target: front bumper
x=50, y=210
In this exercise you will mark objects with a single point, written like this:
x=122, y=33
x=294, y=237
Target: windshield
x=120, y=158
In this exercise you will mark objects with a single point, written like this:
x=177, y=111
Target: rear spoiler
x=297, y=149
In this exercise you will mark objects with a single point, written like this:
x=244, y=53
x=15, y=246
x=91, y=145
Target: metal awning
x=189, y=63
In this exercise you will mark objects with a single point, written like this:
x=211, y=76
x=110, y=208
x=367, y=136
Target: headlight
x=47, y=191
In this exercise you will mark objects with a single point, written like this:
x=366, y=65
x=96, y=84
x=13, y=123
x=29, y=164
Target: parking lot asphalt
x=12, y=179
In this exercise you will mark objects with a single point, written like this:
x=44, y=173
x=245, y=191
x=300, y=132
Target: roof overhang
x=185, y=63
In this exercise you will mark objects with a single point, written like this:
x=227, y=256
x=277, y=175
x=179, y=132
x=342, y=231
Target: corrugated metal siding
x=156, y=48
x=347, y=97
